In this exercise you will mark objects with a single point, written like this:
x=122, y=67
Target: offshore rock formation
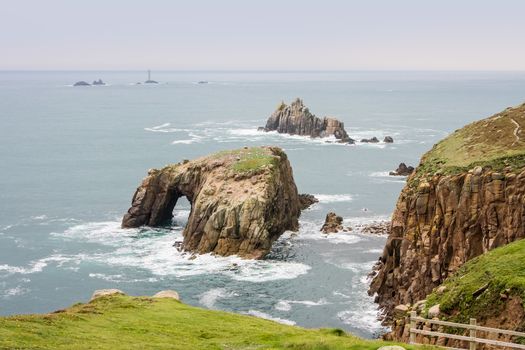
x=241, y=201
x=296, y=119
x=466, y=197
x=333, y=223
x=402, y=170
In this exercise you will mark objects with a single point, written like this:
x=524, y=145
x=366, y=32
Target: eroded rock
x=296, y=119
x=105, y=292
x=402, y=170
x=333, y=223
x=242, y=201
x=167, y=294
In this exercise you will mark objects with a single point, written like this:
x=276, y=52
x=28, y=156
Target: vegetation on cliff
x=124, y=322
x=497, y=141
x=484, y=285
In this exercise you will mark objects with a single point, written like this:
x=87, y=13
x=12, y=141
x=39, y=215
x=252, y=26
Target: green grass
x=124, y=322
x=501, y=270
x=487, y=142
x=251, y=159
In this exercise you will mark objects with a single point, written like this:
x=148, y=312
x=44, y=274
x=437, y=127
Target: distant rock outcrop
x=81, y=83
x=241, y=201
x=402, y=170
x=388, y=139
x=296, y=119
x=98, y=82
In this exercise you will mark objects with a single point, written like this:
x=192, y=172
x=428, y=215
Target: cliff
x=489, y=288
x=118, y=321
x=466, y=197
x=241, y=201
x=296, y=119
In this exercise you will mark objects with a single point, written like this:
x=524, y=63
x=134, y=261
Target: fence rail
x=471, y=338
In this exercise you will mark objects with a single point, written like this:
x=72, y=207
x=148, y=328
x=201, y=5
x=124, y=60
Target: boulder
x=81, y=83
x=388, y=139
x=401, y=310
x=241, y=201
x=105, y=292
x=333, y=223
x=374, y=228
x=296, y=119
x=98, y=82
x=434, y=311
x=167, y=294
x=402, y=170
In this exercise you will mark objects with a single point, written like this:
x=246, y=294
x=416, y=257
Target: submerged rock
x=372, y=140
x=241, y=201
x=296, y=119
x=81, y=83
x=333, y=223
x=388, y=139
x=402, y=170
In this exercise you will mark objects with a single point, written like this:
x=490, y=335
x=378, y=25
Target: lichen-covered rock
x=296, y=119
x=466, y=197
x=241, y=201
x=105, y=292
x=167, y=294
x=333, y=223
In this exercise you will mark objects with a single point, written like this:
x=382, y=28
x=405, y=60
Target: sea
x=72, y=157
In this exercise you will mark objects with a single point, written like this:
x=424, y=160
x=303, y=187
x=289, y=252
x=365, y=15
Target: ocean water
x=71, y=158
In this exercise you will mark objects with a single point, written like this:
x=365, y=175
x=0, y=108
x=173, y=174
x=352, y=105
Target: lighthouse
x=149, y=81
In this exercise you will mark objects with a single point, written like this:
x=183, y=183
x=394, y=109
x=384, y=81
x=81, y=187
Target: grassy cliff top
x=497, y=141
x=124, y=322
x=476, y=289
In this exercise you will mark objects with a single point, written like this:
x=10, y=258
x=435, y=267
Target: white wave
x=120, y=278
x=152, y=249
x=380, y=174
x=286, y=305
x=185, y=142
x=246, y=132
x=11, y=292
x=261, y=314
x=39, y=217
x=375, y=251
x=312, y=231
x=333, y=198
x=357, y=267
x=364, y=317
x=165, y=128
x=35, y=266
x=209, y=298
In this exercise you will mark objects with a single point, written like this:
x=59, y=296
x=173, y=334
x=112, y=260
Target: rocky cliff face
x=241, y=201
x=466, y=197
x=296, y=119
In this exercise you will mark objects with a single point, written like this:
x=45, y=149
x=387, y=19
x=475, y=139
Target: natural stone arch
x=241, y=201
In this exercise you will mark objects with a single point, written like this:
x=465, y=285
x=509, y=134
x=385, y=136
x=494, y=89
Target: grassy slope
x=124, y=322
x=497, y=141
x=499, y=270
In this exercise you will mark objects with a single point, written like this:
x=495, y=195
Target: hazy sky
x=265, y=34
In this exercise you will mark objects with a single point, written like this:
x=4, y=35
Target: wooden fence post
x=413, y=316
x=472, y=334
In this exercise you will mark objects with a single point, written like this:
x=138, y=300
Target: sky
x=262, y=35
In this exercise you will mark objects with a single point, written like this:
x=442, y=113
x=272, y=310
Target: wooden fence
x=471, y=338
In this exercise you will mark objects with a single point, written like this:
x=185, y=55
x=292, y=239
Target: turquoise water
x=71, y=158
